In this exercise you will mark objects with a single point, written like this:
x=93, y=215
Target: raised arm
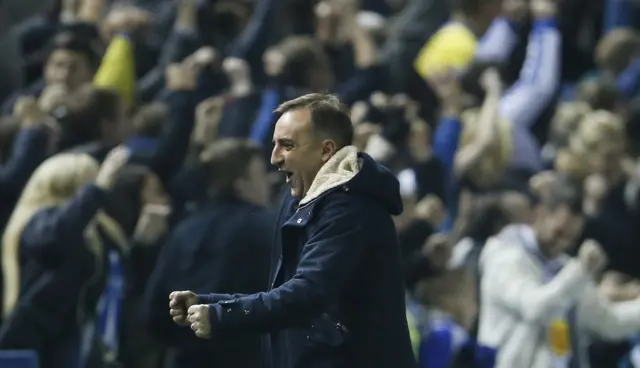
x=523, y=102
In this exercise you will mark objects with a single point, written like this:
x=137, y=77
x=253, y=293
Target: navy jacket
x=60, y=285
x=337, y=296
x=223, y=246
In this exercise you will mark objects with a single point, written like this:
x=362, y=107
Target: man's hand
x=431, y=210
x=126, y=19
x=179, y=304
x=181, y=77
x=111, y=167
x=204, y=57
x=208, y=117
x=52, y=97
x=592, y=256
x=198, y=316
x=29, y=113
x=274, y=61
x=239, y=74
x=152, y=225
x=490, y=80
x=438, y=250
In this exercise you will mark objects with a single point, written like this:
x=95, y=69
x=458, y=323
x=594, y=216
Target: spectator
x=524, y=269
x=229, y=251
x=58, y=252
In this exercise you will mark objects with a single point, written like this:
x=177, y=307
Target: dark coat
x=223, y=246
x=337, y=297
x=61, y=281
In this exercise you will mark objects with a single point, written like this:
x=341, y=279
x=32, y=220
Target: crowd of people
x=140, y=156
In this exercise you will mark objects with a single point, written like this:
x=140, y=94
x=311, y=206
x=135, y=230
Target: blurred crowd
x=135, y=139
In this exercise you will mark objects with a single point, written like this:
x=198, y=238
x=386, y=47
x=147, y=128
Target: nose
x=276, y=157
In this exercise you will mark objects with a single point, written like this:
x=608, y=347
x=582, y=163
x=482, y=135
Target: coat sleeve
x=50, y=227
x=326, y=264
x=29, y=150
x=539, y=77
x=507, y=279
x=608, y=320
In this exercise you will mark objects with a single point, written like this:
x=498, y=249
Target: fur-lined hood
x=357, y=172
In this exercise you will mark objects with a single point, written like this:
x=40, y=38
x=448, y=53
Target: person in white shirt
x=540, y=307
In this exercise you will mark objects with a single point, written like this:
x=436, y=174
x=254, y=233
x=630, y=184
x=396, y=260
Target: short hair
x=87, y=46
x=329, y=116
x=225, y=161
x=600, y=95
x=303, y=55
x=562, y=193
x=616, y=49
x=149, y=119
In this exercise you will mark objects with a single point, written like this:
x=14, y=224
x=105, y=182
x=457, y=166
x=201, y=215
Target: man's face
x=297, y=150
x=68, y=68
x=558, y=230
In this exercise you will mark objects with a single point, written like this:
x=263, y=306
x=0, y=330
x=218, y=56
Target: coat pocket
x=327, y=332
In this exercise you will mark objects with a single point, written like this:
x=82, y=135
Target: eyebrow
x=284, y=141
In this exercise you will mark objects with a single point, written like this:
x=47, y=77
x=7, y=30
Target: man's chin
x=295, y=193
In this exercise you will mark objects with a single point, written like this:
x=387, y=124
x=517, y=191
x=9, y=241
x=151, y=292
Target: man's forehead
x=293, y=123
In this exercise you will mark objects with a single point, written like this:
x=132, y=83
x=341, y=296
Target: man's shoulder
x=352, y=207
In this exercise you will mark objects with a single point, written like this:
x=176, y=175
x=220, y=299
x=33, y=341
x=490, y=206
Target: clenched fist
x=198, y=316
x=179, y=304
x=592, y=256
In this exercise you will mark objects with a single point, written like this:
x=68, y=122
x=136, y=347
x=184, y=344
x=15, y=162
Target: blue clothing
x=337, y=296
x=60, y=287
x=223, y=246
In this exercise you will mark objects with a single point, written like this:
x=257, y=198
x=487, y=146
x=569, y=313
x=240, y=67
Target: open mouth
x=288, y=174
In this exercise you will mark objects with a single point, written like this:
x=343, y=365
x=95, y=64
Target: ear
x=329, y=148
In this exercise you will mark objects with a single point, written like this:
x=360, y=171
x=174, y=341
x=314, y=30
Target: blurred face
x=557, y=230
x=298, y=152
x=255, y=185
x=607, y=159
x=68, y=68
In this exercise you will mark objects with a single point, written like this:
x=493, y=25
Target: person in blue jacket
x=337, y=296
x=61, y=256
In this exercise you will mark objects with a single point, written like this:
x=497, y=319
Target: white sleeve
x=508, y=279
x=609, y=320
x=498, y=42
x=539, y=78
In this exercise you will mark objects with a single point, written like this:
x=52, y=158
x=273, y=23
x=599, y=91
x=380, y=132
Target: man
x=223, y=246
x=539, y=307
x=336, y=298
x=71, y=64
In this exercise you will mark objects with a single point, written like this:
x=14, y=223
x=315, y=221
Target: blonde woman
x=57, y=252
